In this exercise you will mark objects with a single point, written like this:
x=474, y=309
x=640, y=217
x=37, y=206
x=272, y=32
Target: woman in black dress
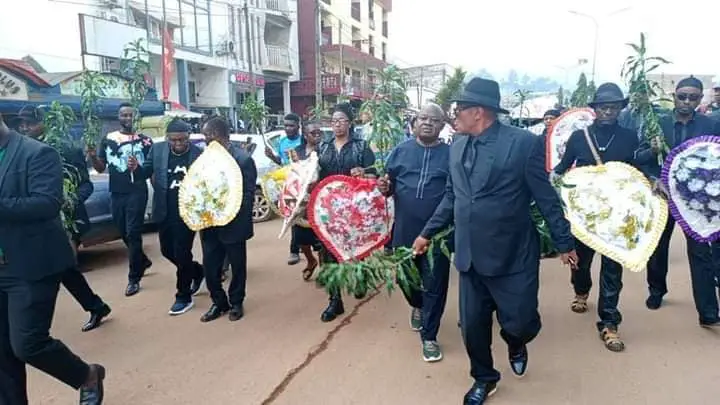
x=350, y=156
x=304, y=236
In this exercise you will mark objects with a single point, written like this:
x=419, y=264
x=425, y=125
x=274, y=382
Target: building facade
x=424, y=82
x=214, y=43
x=353, y=46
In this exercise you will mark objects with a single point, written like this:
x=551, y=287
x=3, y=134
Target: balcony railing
x=355, y=11
x=354, y=86
x=278, y=59
x=277, y=5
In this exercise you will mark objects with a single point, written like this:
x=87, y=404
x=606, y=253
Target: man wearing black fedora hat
x=612, y=143
x=495, y=171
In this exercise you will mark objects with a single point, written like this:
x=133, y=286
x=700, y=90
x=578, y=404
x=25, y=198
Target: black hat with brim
x=482, y=93
x=608, y=93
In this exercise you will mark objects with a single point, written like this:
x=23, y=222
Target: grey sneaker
x=293, y=259
x=416, y=320
x=431, y=351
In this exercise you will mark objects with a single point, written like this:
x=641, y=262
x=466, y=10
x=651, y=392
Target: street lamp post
x=597, y=33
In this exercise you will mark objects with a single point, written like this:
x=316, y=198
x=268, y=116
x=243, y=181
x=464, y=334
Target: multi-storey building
x=353, y=46
x=213, y=41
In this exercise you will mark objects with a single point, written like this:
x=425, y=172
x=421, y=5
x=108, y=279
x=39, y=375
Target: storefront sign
x=242, y=79
x=114, y=87
x=11, y=87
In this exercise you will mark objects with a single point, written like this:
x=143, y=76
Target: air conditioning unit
x=225, y=48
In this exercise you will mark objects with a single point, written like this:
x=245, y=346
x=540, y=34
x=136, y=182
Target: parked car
x=98, y=205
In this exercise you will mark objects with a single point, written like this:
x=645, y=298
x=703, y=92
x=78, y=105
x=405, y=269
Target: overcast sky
x=543, y=37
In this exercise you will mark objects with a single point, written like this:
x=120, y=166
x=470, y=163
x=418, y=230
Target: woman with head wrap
x=350, y=156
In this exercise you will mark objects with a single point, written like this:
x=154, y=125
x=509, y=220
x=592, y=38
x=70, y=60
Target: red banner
x=167, y=63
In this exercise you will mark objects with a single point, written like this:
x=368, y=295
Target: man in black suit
x=31, y=124
x=495, y=172
x=31, y=195
x=166, y=167
x=231, y=239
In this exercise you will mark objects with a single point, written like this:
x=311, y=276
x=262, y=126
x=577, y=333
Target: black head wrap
x=552, y=113
x=177, y=125
x=690, y=82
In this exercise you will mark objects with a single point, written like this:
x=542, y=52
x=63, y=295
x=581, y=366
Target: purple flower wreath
x=697, y=183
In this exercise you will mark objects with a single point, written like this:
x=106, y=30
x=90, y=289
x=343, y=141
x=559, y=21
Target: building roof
x=58, y=77
x=23, y=69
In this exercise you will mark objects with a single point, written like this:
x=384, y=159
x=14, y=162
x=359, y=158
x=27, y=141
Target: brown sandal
x=579, y=304
x=309, y=271
x=612, y=340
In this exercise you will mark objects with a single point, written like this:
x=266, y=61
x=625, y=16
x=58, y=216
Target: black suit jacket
x=241, y=228
x=74, y=159
x=32, y=237
x=156, y=169
x=490, y=208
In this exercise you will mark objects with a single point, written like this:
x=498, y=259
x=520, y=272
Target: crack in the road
x=316, y=351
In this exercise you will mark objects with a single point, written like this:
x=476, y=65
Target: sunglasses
x=686, y=97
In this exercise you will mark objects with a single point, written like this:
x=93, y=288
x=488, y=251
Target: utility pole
x=342, y=62
x=421, y=84
x=248, y=42
x=318, y=58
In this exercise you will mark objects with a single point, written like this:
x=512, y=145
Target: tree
x=591, y=89
x=579, y=97
x=450, y=88
x=561, y=96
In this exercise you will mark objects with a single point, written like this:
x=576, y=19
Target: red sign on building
x=244, y=78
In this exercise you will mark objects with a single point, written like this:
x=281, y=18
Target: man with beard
x=166, y=166
x=31, y=124
x=229, y=240
x=288, y=143
x=122, y=152
x=495, y=171
x=612, y=143
x=685, y=123
x=31, y=197
x=416, y=176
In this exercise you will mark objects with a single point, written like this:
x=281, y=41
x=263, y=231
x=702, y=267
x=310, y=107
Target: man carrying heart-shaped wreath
x=495, y=171
x=604, y=141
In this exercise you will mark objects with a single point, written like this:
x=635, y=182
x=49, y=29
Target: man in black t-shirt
x=122, y=152
x=166, y=166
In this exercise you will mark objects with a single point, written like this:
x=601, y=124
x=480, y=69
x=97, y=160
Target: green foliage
x=386, y=126
x=92, y=90
x=582, y=93
x=254, y=111
x=398, y=268
x=644, y=91
x=58, y=121
x=450, y=88
x=317, y=112
x=522, y=96
x=135, y=64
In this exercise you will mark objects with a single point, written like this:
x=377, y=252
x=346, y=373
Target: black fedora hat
x=608, y=93
x=481, y=92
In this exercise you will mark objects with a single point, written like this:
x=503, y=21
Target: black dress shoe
x=96, y=318
x=333, y=310
x=653, y=302
x=132, y=289
x=147, y=263
x=213, y=313
x=518, y=361
x=236, y=313
x=93, y=394
x=479, y=393
x=195, y=286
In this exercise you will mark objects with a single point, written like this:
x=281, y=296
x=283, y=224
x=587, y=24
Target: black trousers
x=657, y=267
x=26, y=314
x=128, y=211
x=214, y=253
x=515, y=298
x=176, y=243
x=432, y=297
x=294, y=246
x=610, y=284
x=76, y=284
x=704, y=261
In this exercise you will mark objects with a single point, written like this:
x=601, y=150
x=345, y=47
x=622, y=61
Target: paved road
x=371, y=357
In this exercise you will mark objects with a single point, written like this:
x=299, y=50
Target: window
x=192, y=93
x=355, y=10
x=259, y=42
x=384, y=52
x=194, y=17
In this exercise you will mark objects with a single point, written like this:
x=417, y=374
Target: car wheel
x=261, y=208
